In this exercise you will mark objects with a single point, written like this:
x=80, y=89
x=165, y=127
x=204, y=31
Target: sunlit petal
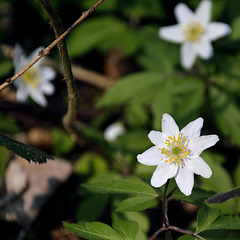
x=203, y=12
x=183, y=13
x=199, y=144
x=193, y=129
x=47, y=73
x=185, y=180
x=163, y=172
x=169, y=126
x=200, y=167
x=172, y=33
x=204, y=48
x=150, y=157
x=188, y=55
x=217, y=30
x=157, y=138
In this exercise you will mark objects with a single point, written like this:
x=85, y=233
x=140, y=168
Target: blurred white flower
x=194, y=32
x=35, y=82
x=113, y=131
x=176, y=153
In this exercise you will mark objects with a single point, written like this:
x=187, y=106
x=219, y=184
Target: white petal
x=204, y=48
x=163, y=172
x=193, y=129
x=217, y=30
x=203, y=12
x=113, y=131
x=188, y=55
x=47, y=88
x=157, y=138
x=169, y=126
x=19, y=58
x=199, y=144
x=47, y=73
x=38, y=97
x=199, y=166
x=172, y=33
x=22, y=94
x=185, y=180
x=150, y=157
x=183, y=13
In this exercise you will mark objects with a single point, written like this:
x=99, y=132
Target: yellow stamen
x=176, y=149
x=192, y=31
x=32, y=77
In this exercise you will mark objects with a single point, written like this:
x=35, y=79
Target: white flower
x=176, y=153
x=35, y=82
x=113, y=131
x=194, y=32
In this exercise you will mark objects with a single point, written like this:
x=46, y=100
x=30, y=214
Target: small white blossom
x=113, y=131
x=176, y=153
x=194, y=32
x=35, y=82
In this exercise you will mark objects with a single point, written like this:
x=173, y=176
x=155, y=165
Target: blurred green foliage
x=152, y=83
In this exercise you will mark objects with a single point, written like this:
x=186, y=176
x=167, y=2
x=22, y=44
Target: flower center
x=32, y=77
x=192, y=31
x=175, y=150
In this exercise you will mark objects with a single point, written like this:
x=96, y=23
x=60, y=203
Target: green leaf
x=206, y=216
x=5, y=67
x=228, y=222
x=93, y=231
x=162, y=103
x=128, y=229
x=90, y=163
x=157, y=54
x=227, y=114
x=132, y=87
x=8, y=125
x=62, y=142
x=95, y=32
x=90, y=208
x=186, y=237
x=3, y=161
x=122, y=186
x=140, y=217
x=24, y=151
x=136, y=115
x=137, y=203
x=235, y=29
x=219, y=175
x=196, y=197
x=134, y=141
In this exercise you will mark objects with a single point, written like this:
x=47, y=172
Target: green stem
x=68, y=76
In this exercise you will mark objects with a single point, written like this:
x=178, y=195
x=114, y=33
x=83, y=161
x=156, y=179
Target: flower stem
x=164, y=211
x=68, y=76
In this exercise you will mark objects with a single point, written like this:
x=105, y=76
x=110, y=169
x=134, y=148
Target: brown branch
x=79, y=73
x=47, y=50
x=173, y=228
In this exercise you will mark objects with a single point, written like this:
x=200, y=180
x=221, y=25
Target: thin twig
x=79, y=73
x=175, y=229
x=47, y=50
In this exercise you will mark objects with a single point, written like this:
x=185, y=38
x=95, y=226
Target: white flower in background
x=113, y=131
x=35, y=82
x=194, y=32
x=176, y=153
